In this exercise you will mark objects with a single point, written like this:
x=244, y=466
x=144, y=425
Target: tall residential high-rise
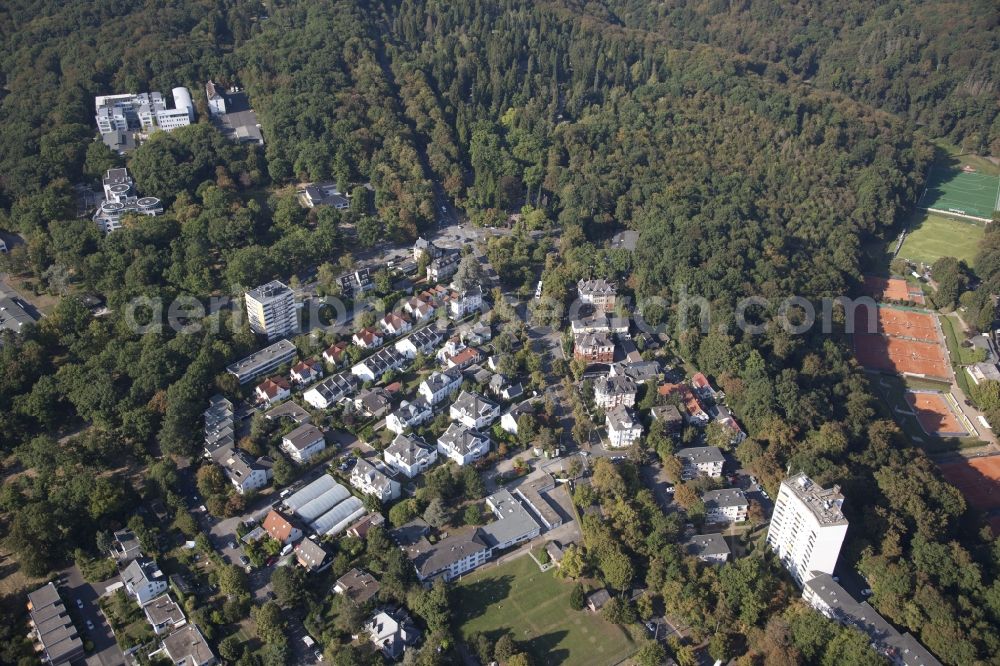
x=271, y=310
x=807, y=527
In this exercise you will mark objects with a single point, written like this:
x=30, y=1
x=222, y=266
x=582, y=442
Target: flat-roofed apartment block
x=163, y=614
x=262, y=362
x=728, y=505
x=271, y=310
x=58, y=641
x=700, y=461
x=807, y=527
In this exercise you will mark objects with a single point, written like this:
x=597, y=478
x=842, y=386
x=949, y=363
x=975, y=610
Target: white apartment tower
x=271, y=310
x=807, y=527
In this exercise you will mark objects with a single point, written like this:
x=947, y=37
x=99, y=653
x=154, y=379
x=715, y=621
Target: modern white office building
x=807, y=527
x=271, y=310
x=143, y=112
x=120, y=199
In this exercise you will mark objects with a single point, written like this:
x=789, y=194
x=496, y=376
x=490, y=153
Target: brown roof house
x=280, y=528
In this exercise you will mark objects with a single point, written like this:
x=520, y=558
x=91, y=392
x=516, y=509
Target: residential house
x=702, y=387
x=125, y=547
x=710, y=548
x=443, y=267
x=356, y=282
x=422, y=341
x=325, y=194
x=460, y=552
x=310, y=555
x=163, y=614
x=598, y=292
x=379, y=363
x=307, y=372
x=463, y=303
x=375, y=402
x=641, y=372
x=463, y=444
x=303, y=443
x=725, y=418
x=464, y=358
x=187, y=647
x=391, y=632
x=423, y=246
x=478, y=333
x=272, y=390
x=368, y=338
x=246, y=473
x=143, y=580
x=501, y=387
x=590, y=324
x=421, y=309
x=331, y=390
x=410, y=455
x=474, y=411
x=357, y=585
x=670, y=416
x=594, y=348
x=409, y=416
x=597, y=599
x=288, y=410
x=439, y=386
x=280, y=528
x=695, y=413
x=509, y=420
x=728, y=505
x=623, y=428
x=372, y=481
x=394, y=324
x=700, y=461
x=334, y=354
x=612, y=391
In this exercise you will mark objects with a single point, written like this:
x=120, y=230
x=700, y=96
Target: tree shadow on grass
x=543, y=648
x=478, y=598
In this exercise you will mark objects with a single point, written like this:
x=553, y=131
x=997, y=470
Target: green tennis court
x=951, y=189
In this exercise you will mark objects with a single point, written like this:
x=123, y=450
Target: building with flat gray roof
x=708, y=548
x=271, y=310
x=267, y=359
x=52, y=627
x=513, y=524
x=13, y=316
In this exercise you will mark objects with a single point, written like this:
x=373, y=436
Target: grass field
x=933, y=236
x=959, y=355
x=534, y=607
x=951, y=188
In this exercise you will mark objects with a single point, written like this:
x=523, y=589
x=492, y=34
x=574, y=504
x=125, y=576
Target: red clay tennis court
x=978, y=479
x=899, y=323
x=881, y=352
x=893, y=289
x=935, y=414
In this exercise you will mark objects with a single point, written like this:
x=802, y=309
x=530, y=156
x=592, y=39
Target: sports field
x=952, y=188
x=935, y=414
x=534, y=606
x=900, y=323
x=931, y=236
x=893, y=289
x=978, y=479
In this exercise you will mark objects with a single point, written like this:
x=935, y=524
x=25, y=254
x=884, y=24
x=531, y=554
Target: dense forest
x=756, y=147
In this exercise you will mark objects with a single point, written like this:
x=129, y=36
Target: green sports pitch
x=952, y=190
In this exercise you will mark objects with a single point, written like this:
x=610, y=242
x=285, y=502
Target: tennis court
x=935, y=414
x=899, y=323
x=952, y=189
x=905, y=357
x=978, y=479
x=893, y=289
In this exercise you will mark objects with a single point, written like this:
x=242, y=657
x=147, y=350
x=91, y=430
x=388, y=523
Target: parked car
x=232, y=545
x=79, y=603
x=244, y=560
x=90, y=625
x=319, y=655
x=867, y=592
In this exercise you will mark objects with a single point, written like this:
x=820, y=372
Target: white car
x=90, y=625
x=79, y=603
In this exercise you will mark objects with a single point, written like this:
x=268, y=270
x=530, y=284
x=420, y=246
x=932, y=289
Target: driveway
x=73, y=587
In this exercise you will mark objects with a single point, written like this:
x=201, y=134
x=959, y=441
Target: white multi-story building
x=599, y=292
x=271, y=310
x=120, y=199
x=143, y=112
x=462, y=444
x=623, y=428
x=371, y=481
x=728, y=505
x=440, y=385
x=216, y=99
x=410, y=455
x=144, y=580
x=246, y=473
x=474, y=411
x=331, y=390
x=303, y=443
x=701, y=461
x=463, y=303
x=614, y=390
x=408, y=415
x=807, y=527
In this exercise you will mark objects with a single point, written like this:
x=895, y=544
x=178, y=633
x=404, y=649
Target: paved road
x=74, y=587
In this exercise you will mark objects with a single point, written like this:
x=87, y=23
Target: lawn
x=959, y=355
x=534, y=607
x=932, y=236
